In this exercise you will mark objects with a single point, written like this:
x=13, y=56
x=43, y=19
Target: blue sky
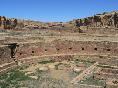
x=55, y=10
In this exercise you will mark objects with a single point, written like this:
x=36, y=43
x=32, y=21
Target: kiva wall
x=5, y=55
x=67, y=47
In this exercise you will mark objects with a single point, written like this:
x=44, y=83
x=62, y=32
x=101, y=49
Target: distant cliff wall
x=99, y=20
x=6, y=23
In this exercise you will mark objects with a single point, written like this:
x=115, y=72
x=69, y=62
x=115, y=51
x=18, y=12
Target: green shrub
x=92, y=81
x=45, y=62
x=12, y=78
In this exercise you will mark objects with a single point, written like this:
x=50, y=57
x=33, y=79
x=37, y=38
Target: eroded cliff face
x=99, y=20
x=6, y=23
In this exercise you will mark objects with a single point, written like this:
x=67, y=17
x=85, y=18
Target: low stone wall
x=5, y=55
x=112, y=86
x=109, y=70
x=87, y=86
x=7, y=66
x=59, y=50
x=68, y=47
x=99, y=30
x=106, y=73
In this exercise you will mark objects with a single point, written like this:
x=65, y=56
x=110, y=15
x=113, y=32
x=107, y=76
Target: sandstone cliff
x=98, y=20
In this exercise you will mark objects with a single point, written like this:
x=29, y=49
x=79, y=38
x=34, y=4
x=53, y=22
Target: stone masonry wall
x=67, y=47
x=5, y=55
x=106, y=31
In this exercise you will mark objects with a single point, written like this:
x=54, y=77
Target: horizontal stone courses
x=34, y=57
x=56, y=55
x=92, y=39
x=3, y=46
x=72, y=38
x=105, y=75
x=35, y=42
x=7, y=69
x=88, y=86
x=7, y=66
x=106, y=69
x=87, y=72
x=108, y=74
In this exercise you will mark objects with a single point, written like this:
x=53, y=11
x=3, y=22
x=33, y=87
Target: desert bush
x=12, y=79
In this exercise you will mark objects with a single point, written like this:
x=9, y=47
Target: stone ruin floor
x=59, y=74
x=54, y=74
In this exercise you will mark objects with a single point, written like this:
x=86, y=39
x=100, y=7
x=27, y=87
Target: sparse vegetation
x=2, y=30
x=47, y=61
x=23, y=67
x=92, y=81
x=12, y=79
x=76, y=42
x=105, y=66
x=56, y=66
x=86, y=62
x=46, y=83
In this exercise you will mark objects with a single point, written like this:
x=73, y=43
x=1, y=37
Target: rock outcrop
x=99, y=20
x=6, y=23
x=105, y=20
